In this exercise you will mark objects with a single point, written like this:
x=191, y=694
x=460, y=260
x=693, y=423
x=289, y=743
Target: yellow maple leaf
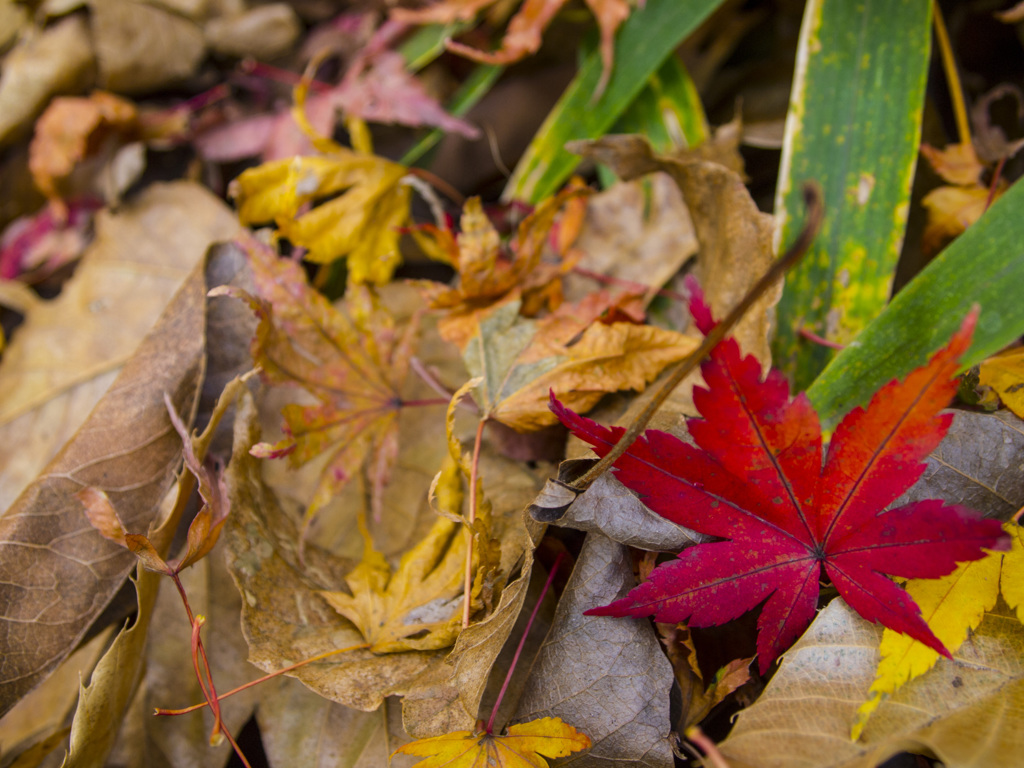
x=416, y=607
x=1005, y=374
x=366, y=204
x=953, y=606
x=524, y=746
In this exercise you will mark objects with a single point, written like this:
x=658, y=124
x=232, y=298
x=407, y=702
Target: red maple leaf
x=756, y=478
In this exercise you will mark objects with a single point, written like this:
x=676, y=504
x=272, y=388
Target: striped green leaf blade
x=643, y=42
x=854, y=127
x=985, y=265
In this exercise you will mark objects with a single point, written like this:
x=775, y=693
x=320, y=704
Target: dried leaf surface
x=56, y=572
x=58, y=60
x=978, y=464
x=69, y=350
x=968, y=712
x=611, y=675
x=297, y=727
x=609, y=508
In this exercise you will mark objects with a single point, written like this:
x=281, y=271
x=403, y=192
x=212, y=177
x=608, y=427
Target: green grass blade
x=985, y=265
x=854, y=127
x=427, y=43
x=643, y=42
x=668, y=110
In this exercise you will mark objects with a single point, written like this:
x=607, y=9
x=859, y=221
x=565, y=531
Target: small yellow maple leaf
x=953, y=606
x=1005, y=374
x=524, y=746
x=368, y=201
x=418, y=606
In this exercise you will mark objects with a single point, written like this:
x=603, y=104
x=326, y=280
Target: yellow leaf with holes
x=416, y=607
x=524, y=746
x=1005, y=374
x=953, y=606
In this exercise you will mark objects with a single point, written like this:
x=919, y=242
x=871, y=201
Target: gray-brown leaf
x=606, y=676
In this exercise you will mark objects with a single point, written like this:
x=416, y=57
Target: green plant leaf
x=982, y=266
x=861, y=148
x=643, y=43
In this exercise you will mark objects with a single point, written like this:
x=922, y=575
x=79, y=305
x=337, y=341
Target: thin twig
x=467, y=603
x=698, y=737
x=812, y=198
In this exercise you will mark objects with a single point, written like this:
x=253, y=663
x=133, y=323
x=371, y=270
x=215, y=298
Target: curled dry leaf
x=485, y=279
x=967, y=711
x=524, y=746
x=609, y=508
x=611, y=675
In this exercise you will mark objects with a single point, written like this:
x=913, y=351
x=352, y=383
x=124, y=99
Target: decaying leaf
x=756, y=477
x=419, y=605
x=967, y=712
x=524, y=746
x=57, y=572
x=953, y=606
x=69, y=349
x=1005, y=374
x=519, y=369
x=352, y=359
x=611, y=675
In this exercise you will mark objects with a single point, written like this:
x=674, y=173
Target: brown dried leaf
x=56, y=572
x=284, y=617
x=967, y=711
x=635, y=232
x=142, y=47
x=69, y=350
x=57, y=60
x=609, y=508
x=606, y=675
x=297, y=727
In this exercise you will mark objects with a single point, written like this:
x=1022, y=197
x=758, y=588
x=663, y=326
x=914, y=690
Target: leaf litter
x=384, y=560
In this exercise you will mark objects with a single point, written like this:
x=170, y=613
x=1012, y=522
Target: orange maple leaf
x=486, y=280
x=352, y=359
x=525, y=746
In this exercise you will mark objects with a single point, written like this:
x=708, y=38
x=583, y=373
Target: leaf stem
x=489, y=728
x=956, y=90
x=473, y=475
x=675, y=375
x=271, y=675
